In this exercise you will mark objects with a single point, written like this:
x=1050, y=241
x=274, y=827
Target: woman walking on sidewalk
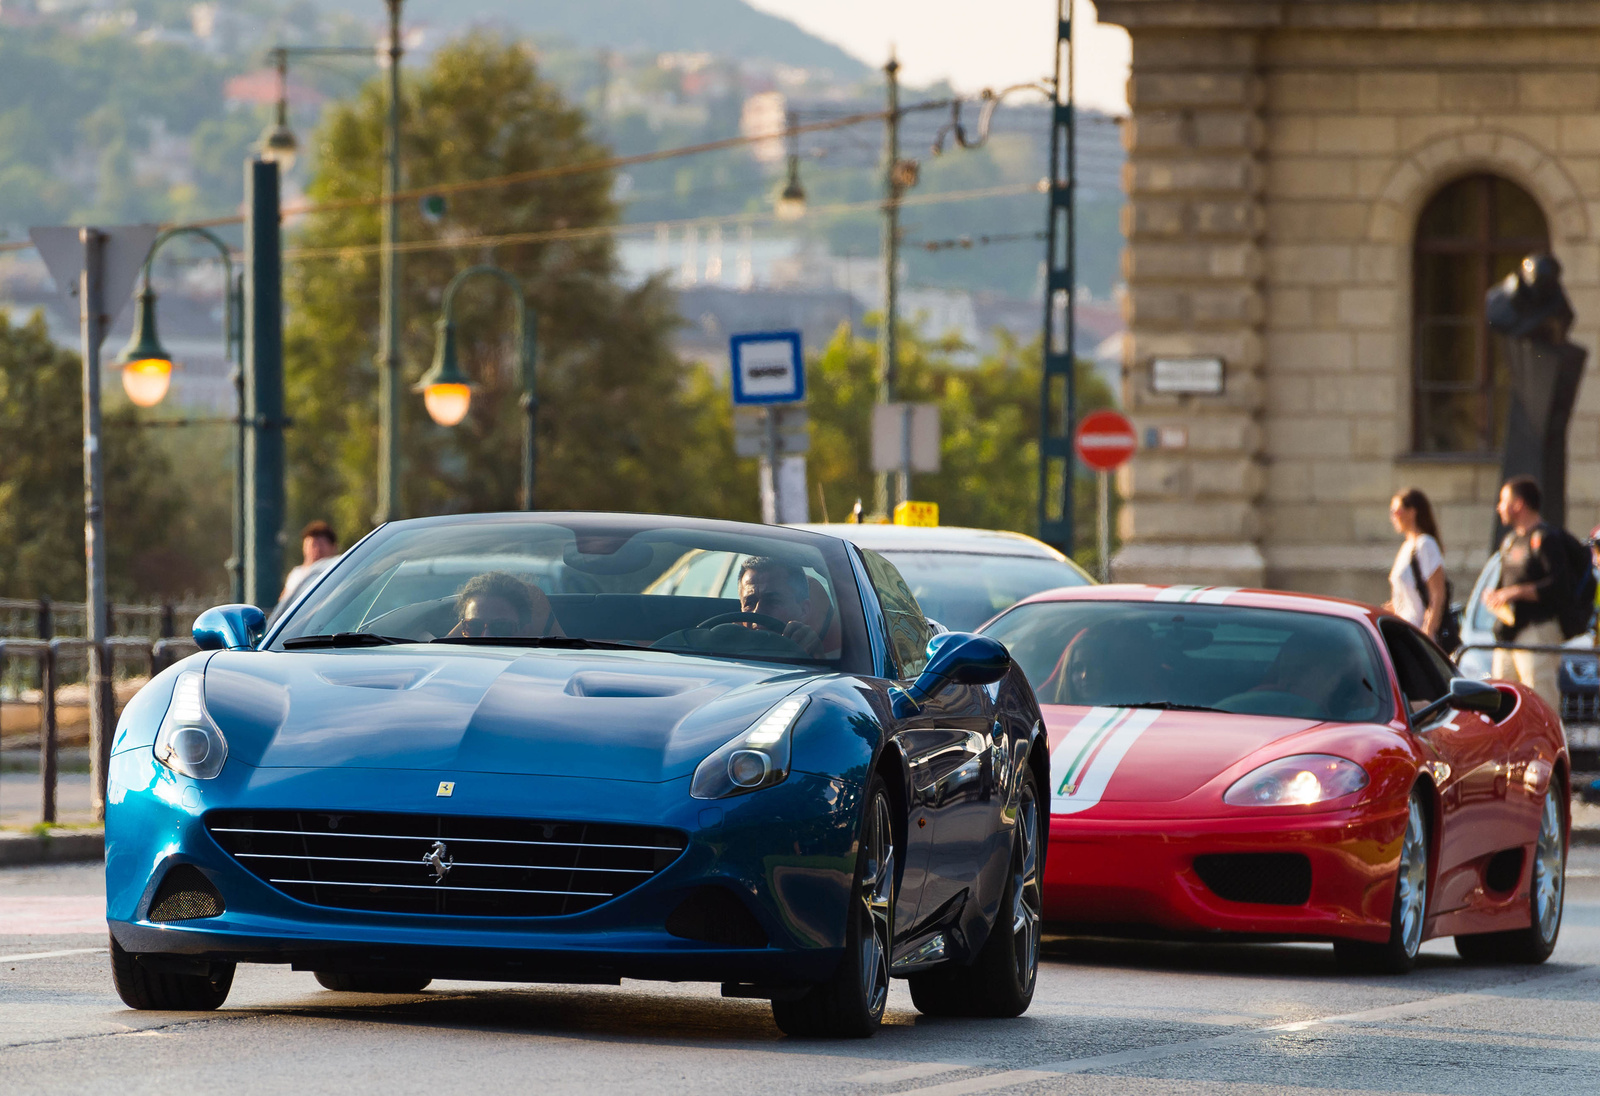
x=1418, y=590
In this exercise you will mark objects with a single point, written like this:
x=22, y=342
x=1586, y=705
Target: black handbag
x=1449, y=637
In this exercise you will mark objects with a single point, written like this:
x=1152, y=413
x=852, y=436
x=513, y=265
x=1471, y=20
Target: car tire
x=1001, y=979
x=850, y=1005
x=397, y=981
x=1546, y=895
x=151, y=990
x=1398, y=954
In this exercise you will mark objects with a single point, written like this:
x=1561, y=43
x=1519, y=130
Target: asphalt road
x=1109, y=1018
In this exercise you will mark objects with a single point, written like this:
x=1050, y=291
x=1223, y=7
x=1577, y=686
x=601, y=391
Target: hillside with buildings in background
x=119, y=111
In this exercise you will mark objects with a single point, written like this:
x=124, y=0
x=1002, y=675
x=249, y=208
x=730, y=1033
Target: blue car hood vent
x=648, y=716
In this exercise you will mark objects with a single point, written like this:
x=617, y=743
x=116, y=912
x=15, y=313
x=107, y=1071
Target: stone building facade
x=1319, y=191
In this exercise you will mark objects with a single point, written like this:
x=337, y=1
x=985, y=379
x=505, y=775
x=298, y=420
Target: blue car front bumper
x=787, y=853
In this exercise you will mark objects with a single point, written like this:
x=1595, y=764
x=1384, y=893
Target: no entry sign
x=1105, y=440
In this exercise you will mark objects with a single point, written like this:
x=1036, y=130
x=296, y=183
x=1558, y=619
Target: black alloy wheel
x=851, y=1004
x=1398, y=954
x=152, y=990
x=1547, y=892
x=374, y=981
x=1001, y=979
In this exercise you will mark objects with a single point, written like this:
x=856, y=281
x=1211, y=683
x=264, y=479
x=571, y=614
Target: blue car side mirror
x=230, y=628
x=955, y=658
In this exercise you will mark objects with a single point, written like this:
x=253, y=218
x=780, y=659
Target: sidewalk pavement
x=53, y=846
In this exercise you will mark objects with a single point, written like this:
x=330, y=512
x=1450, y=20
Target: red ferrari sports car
x=1292, y=767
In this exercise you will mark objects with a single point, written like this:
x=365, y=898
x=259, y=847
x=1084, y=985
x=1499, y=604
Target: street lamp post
x=899, y=175
x=147, y=371
x=389, y=305
x=447, y=393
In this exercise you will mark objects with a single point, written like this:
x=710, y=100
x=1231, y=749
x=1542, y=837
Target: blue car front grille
x=443, y=864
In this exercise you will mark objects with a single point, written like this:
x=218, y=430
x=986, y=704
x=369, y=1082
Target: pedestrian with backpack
x=1546, y=591
x=1418, y=588
x=1594, y=566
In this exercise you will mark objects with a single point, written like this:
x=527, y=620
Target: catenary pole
x=887, y=334
x=263, y=381
x=241, y=434
x=389, y=293
x=92, y=322
x=1058, y=393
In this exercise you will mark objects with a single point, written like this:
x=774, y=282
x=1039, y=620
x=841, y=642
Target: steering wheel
x=760, y=620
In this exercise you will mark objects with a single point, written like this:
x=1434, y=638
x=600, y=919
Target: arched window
x=1473, y=233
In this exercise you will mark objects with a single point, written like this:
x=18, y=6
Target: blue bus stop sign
x=767, y=368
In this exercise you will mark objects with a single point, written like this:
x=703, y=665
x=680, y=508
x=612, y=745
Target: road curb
x=51, y=847
x=1586, y=835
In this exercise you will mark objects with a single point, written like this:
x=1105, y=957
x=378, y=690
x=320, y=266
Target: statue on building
x=1530, y=311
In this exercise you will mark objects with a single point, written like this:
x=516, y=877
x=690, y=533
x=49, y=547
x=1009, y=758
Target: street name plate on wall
x=1187, y=376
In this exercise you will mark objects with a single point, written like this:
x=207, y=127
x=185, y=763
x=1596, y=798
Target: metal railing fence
x=43, y=649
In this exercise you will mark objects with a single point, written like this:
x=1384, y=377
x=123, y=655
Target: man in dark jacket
x=1527, y=601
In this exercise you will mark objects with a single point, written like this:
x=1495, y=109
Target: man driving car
x=779, y=590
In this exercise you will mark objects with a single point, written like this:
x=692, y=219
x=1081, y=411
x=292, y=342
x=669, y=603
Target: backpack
x=1449, y=637
x=1577, y=600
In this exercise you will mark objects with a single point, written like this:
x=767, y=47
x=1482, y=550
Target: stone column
x=1194, y=265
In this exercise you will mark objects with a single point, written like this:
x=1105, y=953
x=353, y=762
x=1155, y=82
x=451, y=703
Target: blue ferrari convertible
x=498, y=747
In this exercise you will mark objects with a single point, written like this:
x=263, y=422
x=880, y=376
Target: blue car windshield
x=592, y=581
x=1240, y=660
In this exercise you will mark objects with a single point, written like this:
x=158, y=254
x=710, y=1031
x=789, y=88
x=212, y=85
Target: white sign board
x=1187, y=376
x=126, y=248
x=793, y=428
x=889, y=424
x=767, y=368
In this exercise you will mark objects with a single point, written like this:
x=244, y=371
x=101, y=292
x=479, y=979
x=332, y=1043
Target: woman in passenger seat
x=502, y=605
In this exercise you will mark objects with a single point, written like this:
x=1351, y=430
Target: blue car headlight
x=758, y=758
x=188, y=741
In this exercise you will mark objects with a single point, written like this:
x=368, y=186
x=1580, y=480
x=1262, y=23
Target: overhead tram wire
x=965, y=243
x=582, y=167
x=639, y=227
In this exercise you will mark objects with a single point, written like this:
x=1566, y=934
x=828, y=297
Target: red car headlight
x=1297, y=781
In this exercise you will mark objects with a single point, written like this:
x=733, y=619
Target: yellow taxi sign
x=917, y=513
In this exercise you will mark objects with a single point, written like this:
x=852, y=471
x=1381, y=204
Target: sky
x=994, y=43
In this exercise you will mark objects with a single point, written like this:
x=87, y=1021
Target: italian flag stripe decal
x=1088, y=756
x=1197, y=595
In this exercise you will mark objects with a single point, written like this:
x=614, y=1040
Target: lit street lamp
x=147, y=370
x=446, y=392
x=146, y=366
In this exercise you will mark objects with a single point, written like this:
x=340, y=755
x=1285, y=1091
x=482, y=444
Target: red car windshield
x=1231, y=659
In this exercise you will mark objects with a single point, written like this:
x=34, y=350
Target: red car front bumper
x=1140, y=873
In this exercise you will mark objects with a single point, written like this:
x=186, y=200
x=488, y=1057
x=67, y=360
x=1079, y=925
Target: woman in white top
x=1412, y=516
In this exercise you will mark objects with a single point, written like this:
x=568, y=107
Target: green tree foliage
x=622, y=425
x=69, y=99
x=989, y=418
x=41, y=484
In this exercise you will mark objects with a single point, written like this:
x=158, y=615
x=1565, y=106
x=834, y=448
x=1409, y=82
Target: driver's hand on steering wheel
x=804, y=638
